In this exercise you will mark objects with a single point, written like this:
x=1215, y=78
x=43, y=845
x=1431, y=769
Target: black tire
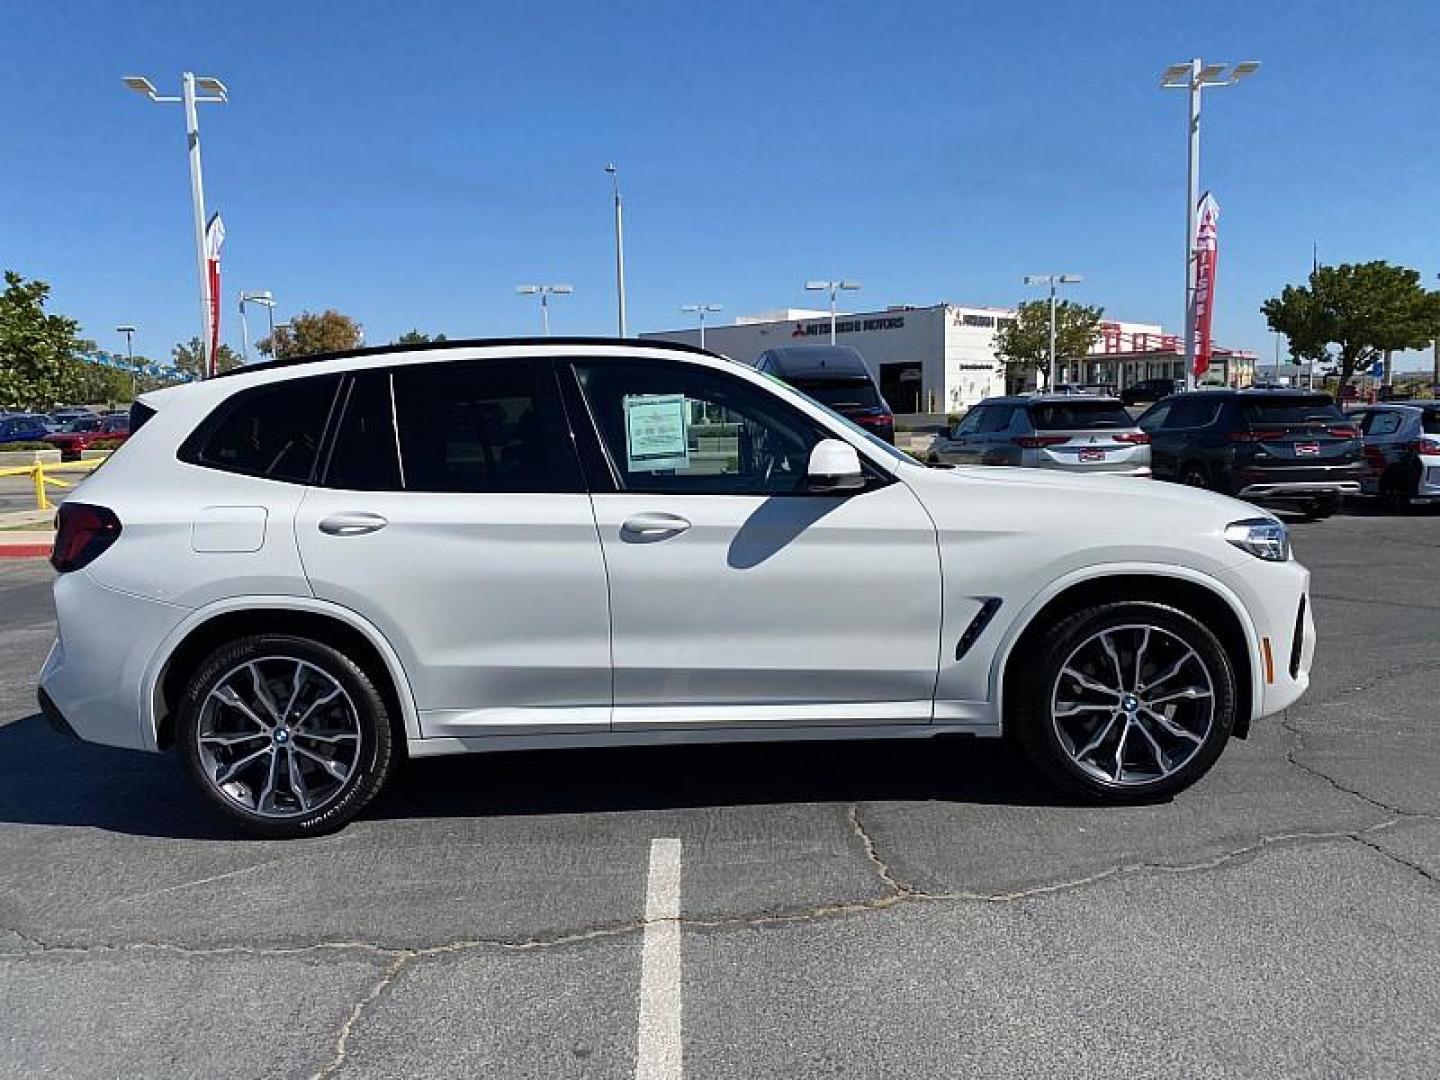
x=373, y=758
x=1321, y=508
x=1194, y=475
x=1036, y=683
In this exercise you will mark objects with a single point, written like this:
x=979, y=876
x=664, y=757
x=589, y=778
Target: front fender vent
x=988, y=607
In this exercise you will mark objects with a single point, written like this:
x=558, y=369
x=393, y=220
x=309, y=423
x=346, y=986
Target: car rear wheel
x=1193, y=475
x=286, y=736
x=1125, y=702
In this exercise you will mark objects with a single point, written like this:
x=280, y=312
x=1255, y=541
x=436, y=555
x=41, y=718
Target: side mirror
x=834, y=466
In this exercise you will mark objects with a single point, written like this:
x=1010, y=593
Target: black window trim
x=875, y=476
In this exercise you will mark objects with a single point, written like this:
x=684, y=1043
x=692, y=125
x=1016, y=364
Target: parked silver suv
x=1052, y=431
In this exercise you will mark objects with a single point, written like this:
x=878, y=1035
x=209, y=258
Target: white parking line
x=659, y=1053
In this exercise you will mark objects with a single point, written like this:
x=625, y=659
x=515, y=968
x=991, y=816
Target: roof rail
x=464, y=343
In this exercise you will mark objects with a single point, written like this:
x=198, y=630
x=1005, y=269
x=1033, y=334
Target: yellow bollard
x=42, y=501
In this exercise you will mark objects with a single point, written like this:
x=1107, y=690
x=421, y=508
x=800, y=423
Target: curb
x=25, y=551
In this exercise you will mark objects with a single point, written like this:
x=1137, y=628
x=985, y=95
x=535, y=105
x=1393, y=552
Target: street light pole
x=701, y=309
x=265, y=299
x=129, y=332
x=833, y=287
x=1195, y=76
x=216, y=92
x=1052, y=280
x=544, y=292
x=619, y=246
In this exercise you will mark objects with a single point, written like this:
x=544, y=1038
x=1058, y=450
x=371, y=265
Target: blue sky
x=410, y=164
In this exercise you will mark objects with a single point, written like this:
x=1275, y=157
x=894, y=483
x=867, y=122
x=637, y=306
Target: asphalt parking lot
x=843, y=910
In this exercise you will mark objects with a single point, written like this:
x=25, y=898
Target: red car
x=82, y=434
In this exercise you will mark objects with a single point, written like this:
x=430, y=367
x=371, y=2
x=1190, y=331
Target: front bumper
x=1277, y=598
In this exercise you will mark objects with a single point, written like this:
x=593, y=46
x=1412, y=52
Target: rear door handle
x=654, y=524
x=352, y=523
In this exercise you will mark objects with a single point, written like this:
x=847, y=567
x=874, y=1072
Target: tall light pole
x=833, y=287
x=1196, y=76
x=1052, y=280
x=701, y=310
x=545, y=292
x=214, y=91
x=129, y=332
x=619, y=246
x=266, y=300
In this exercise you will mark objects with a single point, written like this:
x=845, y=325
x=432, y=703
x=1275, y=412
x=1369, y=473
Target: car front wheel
x=1125, y=702
x=286, y=736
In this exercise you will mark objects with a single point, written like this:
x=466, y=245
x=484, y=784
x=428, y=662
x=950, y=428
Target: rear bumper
x=93, y=676
x=1299, y=489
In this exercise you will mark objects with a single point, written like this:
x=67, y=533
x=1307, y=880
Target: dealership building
x=942, y=358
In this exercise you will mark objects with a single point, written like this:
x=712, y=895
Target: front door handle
x=353, y=523
x=654, y=525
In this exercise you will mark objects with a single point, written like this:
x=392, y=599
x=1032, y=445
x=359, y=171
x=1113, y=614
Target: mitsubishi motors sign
x=848, y=326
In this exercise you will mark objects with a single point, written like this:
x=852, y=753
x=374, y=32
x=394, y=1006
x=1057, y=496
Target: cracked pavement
x=847, y=910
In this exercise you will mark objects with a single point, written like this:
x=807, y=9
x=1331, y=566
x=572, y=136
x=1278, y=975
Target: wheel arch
x=1196, y=594
x=214, y=624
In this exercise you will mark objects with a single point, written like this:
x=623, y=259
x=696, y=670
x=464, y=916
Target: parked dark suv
x=1151, y=390
x=1290, y=447
x=836, y=377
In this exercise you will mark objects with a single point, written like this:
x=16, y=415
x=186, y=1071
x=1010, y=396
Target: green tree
x=39, y=364
x=187, y=357
x=310, y=333
x=1350, y=314
x=1023, y=344
x=415, y=337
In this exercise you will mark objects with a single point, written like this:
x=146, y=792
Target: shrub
x=5, y=447
x=105, y=444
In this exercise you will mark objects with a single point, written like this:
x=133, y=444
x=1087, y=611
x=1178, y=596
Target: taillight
x=1345, y=432
x=875, y=419
x=1256, y=435
x=83, y=533
x=1139, y=438
x=1426, y=446
x=1035, y=442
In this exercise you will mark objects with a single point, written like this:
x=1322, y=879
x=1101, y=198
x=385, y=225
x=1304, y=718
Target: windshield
x=1290, y=410
x=841, y=393
x=1079, y=415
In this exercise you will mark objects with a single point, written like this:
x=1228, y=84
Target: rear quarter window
x=271, y=431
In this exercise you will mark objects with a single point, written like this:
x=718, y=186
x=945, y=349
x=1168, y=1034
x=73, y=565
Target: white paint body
x=516, y=621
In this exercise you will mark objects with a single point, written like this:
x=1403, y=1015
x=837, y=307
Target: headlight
x=1265, y=538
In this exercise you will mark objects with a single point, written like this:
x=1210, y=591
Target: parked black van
x=835, y=376
x=1293, y=448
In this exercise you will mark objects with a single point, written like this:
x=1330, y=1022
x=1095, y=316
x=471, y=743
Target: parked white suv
x=294, y=573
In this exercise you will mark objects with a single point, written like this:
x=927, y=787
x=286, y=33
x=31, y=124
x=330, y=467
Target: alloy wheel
x=1133, y=705
x=278, y=760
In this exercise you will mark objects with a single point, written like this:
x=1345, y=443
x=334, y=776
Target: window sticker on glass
x=656, y=435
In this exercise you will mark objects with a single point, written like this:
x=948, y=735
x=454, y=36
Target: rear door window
x=996, y=419
x=1079, y=416
x=366, y=455
x=1192, y=412
x=272, y=431
x=483, y=426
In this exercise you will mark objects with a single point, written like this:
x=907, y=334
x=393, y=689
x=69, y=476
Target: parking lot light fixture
x=266, y=300
x=701, y=310
x=614, y=174
x=214, y=91
x=833, y=287
x=544, y=292
x=1052, y=280
x=129, y=332
x=1197, y=76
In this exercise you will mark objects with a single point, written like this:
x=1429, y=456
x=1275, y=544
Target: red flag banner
x=1207, y=251
x=214, y=237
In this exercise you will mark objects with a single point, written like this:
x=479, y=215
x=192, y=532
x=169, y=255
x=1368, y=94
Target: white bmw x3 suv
x=295, y=573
